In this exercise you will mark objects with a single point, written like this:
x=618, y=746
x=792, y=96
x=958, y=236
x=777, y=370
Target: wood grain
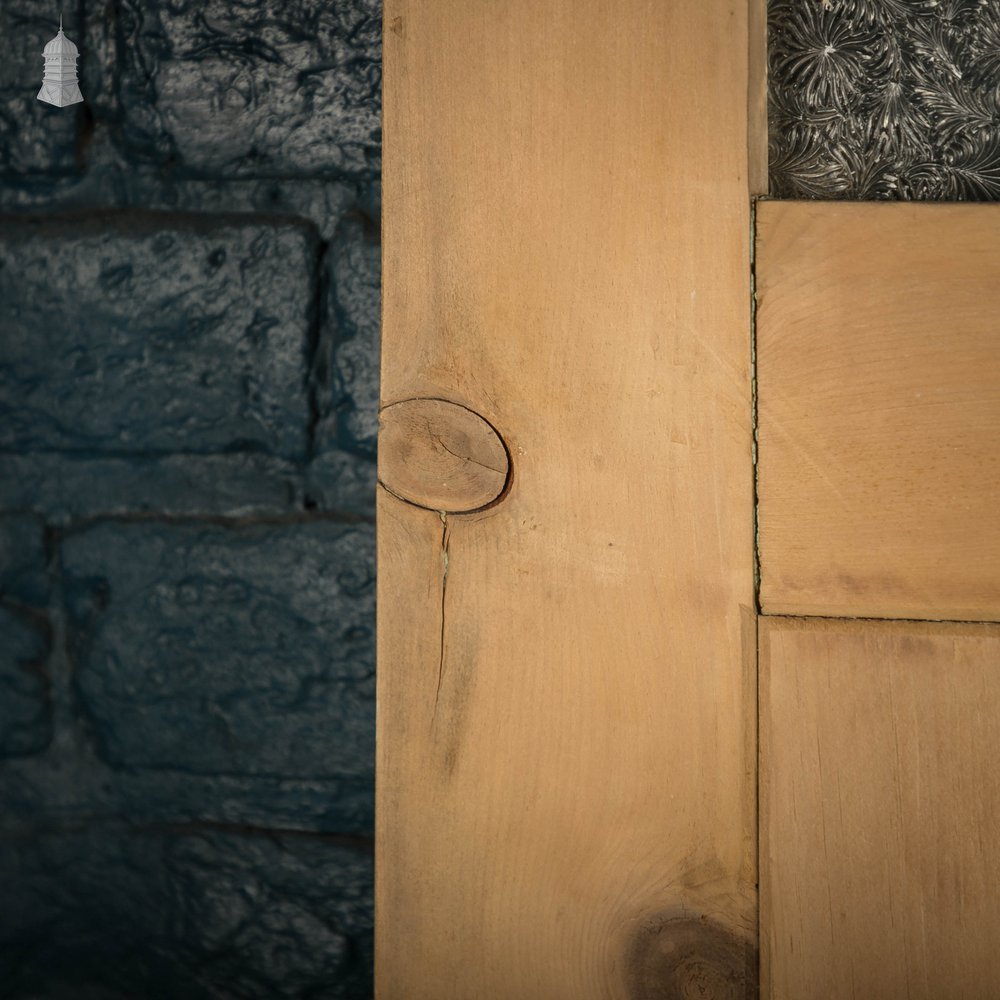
x=566, y=700
x=878, y=374
x=880, y=847
x=757, y=134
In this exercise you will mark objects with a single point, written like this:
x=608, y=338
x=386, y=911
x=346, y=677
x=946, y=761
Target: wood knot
x=440, y=455
x=690, y=958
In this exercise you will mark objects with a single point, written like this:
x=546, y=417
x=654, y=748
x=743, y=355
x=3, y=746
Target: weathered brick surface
x=223, y=650
x=113, y=181
x=339, y=480
x=25, y=713
x=186, y=639
x=264, y=89
x=152, y=333
x=25, y=709
x=34, y=136
x=73, y=487
x=24, y=577
x=68, y=785
x=353, y=316
x=118, y=914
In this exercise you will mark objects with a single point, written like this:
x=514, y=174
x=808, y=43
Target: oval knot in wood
x=690, y=958
x=440, y=455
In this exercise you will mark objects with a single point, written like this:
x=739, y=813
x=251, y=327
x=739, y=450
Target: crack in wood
x=460, y=457
x=445, y=540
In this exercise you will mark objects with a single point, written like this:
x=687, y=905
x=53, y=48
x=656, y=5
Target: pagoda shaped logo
x=59, y=84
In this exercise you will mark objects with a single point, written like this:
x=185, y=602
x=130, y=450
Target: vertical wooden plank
x=880, y=848
x=757, y=92
x=566, y=785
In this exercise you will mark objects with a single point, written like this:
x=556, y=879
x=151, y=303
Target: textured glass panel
x=884, y=99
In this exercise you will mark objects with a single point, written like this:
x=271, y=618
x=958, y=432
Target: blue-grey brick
x=25, y=712
x=24, y=577
x=280, y=919
x=115, y=182
x=116, y=914
x=340, y=481
x=145, y=332
x=352, y=337
x=34, y=137
x=270, y=89
x=227, y=650
x=68, y=785
x=73, y=487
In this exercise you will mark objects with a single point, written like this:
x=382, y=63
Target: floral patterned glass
x=884, y=99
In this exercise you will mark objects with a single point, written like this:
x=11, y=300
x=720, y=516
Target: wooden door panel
x=878, y=373
x=880, y=847
x=566, y=717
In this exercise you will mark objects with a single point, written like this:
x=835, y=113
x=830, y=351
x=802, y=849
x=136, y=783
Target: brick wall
x=188, y=388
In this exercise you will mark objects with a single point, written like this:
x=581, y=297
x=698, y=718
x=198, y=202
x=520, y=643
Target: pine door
x=590, y=487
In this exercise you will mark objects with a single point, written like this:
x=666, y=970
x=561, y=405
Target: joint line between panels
x=879, y=618
x=756, y=561
x=754, y=439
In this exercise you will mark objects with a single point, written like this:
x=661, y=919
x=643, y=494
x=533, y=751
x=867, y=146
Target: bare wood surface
x=757, y=97
x=566, y=716
x=878, y=376
x=880, y=847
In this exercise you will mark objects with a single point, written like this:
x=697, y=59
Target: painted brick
x=338, y=480
x=145, y=332
x=226, y=650
x=34, y=136
x=68, y=785
x=25, y=712
x=269, y=89
x=25, y=709
x=71, y=487
x=117, y=913
x=117, y=183
x=186, y=703
x=24, y=578
x=353, y=318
